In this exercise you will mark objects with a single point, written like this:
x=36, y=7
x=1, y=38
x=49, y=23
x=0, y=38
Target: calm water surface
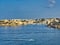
x=29, y=35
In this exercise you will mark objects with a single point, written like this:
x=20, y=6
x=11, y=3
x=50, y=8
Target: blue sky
x=28, y=9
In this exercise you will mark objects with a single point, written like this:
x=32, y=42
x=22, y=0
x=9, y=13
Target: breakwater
x=50, y=22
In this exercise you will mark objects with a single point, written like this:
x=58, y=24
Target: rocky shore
x=55, y=23
x=50, y=22
x=18, y=22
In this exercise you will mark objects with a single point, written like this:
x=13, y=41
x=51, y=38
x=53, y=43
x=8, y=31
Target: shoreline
x=52, y=22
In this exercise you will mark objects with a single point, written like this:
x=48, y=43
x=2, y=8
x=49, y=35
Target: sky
x=28, y=9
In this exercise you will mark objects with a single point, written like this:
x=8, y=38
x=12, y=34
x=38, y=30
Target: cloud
x=52, y=3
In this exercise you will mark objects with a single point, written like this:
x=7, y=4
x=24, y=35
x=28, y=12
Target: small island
x=50, y=22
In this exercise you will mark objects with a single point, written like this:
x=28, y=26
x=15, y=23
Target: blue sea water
x=29, y=35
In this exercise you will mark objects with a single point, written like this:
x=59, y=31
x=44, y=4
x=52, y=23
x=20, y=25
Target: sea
x=29, y=35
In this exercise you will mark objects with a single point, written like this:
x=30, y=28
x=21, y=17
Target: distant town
x=50, y=22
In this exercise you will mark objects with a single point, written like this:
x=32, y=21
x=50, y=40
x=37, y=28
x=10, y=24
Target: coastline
x=50, y=22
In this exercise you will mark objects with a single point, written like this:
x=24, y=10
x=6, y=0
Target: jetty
x=19, y=22
x=50, y=22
